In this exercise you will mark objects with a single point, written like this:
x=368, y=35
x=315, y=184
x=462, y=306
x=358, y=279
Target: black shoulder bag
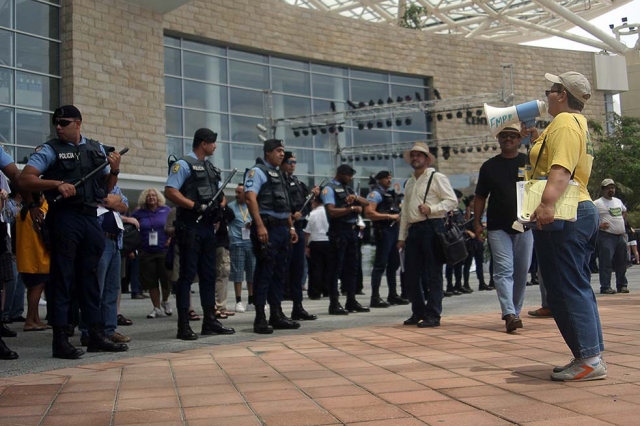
x=453, y=248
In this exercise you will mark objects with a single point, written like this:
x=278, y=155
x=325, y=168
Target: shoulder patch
x=372, y=195
x=325, y=191
x=248, y=183
x=251, y=173
x=175, y=167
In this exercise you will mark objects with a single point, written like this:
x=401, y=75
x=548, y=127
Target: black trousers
x=319, y=269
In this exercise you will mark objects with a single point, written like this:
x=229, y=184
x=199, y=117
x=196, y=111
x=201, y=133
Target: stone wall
x=113, y=64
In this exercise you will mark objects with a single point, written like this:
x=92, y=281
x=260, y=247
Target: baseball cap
x=345, y=169
x=205, y=135
x=271, y=144
x=287, y=155
x=575, y=83
x=66, y=111
x=383, y=174
x=607, y=182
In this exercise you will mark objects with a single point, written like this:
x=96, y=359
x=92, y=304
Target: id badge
x=153, y=238
x=246, y=234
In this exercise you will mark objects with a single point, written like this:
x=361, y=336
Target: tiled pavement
x=467, y=372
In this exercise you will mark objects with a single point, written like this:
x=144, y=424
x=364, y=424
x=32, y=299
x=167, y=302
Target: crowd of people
x=68, y=234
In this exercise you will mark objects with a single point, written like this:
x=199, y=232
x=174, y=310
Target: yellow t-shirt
x=31, y=255
x=568, y=144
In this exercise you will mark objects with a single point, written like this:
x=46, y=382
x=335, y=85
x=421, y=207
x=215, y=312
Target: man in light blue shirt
x=243, y=261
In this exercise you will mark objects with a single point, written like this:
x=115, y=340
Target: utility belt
x=271, y=222
x=382, y=224
x=342, y=226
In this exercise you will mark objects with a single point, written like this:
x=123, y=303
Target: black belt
x=387, y=223
x=333, y=226
x=270, y=221
x=300, y=224
x=424, y=222
x=110, y=236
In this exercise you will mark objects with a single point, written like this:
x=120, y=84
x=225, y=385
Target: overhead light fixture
x=456, y=151
x=351, y=104
x=389, y=122
x=486, y=147
x=364, y=157
x=343, y=159
x=323, y=130
x=351, y=158
x=379, y=124
x=459, y=114
x=446, y=152
x=370, y=125
x=340, y=128
x=470, y=149
x=394, y=155
x=449, y=116
x=314, y=131
x=361, y=104
x=389, y=100
x=407, y=98
x=380, y=157
x=478, y=112
x=305, y=132
x=296, y=133
x=398, y=122
x=439, y=117
x=407, y=121
x=357, y=158
x=495, y=147
x=418, y=97
x=380, y=102
x=469, y=113
x=371, y=103
x=399, y=99
x=361, y=126
x=386, y=156
x=478, y=148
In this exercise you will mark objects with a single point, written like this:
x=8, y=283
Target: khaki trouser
x=223, y=269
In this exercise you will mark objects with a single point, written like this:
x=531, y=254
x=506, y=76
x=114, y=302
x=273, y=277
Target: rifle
x=91, y=174
x=310, y=197
x=224, y=185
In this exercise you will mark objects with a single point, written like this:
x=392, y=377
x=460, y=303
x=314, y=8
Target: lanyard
x=245, y=214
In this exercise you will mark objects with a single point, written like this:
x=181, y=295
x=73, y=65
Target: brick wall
x=112, y=59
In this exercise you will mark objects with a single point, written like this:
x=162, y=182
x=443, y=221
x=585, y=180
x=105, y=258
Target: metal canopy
x=513, y=21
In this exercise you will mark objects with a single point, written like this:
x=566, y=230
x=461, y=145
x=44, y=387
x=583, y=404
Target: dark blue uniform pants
x=197, y=244
x=270, y=265
x=421, y=248
x=77, y=243
x=295, y=267
x=344, y=258
x=386, y=258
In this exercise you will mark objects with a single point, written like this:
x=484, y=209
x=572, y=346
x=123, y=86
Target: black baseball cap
x=271, y=144
x=66, y=111
x=345, y=169
x=383, y=174
x=205, y=135
x=287, y=155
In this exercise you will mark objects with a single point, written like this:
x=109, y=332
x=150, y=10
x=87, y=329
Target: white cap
x=575, y=83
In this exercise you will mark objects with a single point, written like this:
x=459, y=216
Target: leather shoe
x=448, y=293
x=484, y=287
x=411, y=321
x=623, y=289
x=429, y=322
x=5, y=332
x=466, y=289
x=212, y=327
x=541, y=313
x=337, y=309
x=377, y=302
x=355, y=306
x=6, y=353
x=397, y=300
x=301, y=314
x=283, y=323
x=512, y=322
x=607, y=290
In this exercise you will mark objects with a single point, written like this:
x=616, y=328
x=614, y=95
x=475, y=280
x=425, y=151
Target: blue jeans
x=422, y=261
x=563, y=259
x=511, y=259
x=612, y=256
x=14, y=295
x=109, y=281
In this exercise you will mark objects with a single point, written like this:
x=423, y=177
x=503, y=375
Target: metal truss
x=512, y=21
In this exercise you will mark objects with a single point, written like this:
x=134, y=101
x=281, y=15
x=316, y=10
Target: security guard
x=298, y=193
x=77, y=241
x=271, y=233
x=192, y=183
x=343, y=207
x=384, y=211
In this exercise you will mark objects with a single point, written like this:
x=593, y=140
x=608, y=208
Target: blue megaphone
x=499, y=118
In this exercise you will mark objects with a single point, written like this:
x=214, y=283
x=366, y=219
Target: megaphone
x=499, y=118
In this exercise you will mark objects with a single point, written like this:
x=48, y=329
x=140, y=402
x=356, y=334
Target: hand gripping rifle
x=90, y=175
x=310, y=197
x=213, y=200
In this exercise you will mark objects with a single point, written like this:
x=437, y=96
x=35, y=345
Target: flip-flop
x=35, y=329
x=228, y=313
x=123, y=321
x=193, y=316
x=220, y=315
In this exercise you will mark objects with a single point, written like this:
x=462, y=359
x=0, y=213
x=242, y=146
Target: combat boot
x=61, y=348
x=211, y=325
x=5, y=352
x=260, y=324
x=184, y=329
x=98, y=341
x=298, y=313
x=279, y=321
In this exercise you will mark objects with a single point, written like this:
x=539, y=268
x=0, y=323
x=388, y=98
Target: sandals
x=221, y=315
x=193, y=316
x=123, y=321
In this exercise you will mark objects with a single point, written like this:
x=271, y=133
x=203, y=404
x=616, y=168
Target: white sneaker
x=155, y=313
x=581, y=372
x=167, y=308
x=240, y=307
x=250, y=307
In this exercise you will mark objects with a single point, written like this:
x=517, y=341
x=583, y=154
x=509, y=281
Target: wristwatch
x=115, y=172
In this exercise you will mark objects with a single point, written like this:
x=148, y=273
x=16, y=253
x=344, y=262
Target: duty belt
x=271, y=222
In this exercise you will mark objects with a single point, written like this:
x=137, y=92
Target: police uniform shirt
x=5, y=159
x=45, y=158
x=329, y=197
x=254, y=180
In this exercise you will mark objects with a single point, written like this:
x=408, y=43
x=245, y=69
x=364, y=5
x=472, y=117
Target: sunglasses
x=291, y=162
x=511, y=136
x=62, y=123
x=548, y=92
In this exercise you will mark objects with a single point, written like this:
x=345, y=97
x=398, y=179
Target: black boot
x=354, y=306
x=377, y=302
x=394, y=299
x=484, y=287
x=61, y=347
x=465, y=289
x=6, y=332
x=98, y=341
x=260, y=324
x=279, y=321
x=5, y=352
x=449, y=291
x=335, y=308
x=298, y=313
x=184, y=329
x=211, y=325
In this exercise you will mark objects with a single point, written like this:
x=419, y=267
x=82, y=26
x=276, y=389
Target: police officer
x=298, y=193
x=77, y=241
x=271, y=233
x=343, y=207
x=384, y=211
x=192, y=183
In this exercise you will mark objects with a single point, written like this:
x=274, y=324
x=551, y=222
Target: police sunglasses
x=61, y=123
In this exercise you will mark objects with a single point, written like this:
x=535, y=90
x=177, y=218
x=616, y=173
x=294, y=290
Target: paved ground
x=364, y=369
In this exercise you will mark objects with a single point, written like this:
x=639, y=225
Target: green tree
x=412, y=17
x=617, y=156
